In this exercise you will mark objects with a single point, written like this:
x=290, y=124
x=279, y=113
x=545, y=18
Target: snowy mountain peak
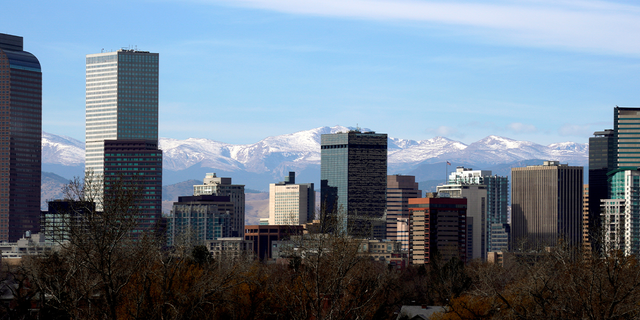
x=300, y=150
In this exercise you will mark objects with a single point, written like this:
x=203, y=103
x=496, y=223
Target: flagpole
x=446, y=171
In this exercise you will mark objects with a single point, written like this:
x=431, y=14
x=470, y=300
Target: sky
x=240, y=71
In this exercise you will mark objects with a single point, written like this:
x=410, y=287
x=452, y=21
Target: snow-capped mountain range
x=300, y=152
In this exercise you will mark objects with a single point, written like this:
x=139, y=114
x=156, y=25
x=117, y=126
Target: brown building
x=437, y=226
x=399, y=190
x=546, y=205
x=20, y=139
x=263, y=236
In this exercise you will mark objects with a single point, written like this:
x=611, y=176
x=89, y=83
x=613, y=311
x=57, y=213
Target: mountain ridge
x=269, y=159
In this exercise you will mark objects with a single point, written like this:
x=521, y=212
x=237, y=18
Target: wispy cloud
x=595, y=26
x=518, y=127
x=444, y=131
x=575, y=130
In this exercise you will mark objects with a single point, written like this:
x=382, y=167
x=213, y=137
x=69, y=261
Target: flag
x=448, y=163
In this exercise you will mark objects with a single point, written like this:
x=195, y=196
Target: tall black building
x=602, y=159
x=354, y=179
x=20, y=139
x=138, y=164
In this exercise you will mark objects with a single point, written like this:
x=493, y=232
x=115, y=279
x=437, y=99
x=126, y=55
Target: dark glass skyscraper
x=20, y=139
x=354, y=176
x=601, y=160
x=138, y=164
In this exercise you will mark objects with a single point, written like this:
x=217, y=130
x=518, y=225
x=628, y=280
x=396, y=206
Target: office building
x=121, y=101
x=546, y=205
x=264, y=236
x=438, y=229
x=626, y=130
x=353, y=181
x=621, y=213
x=399, y=190
x=213, y=185
x=586, y=234
x=497, y=198
x=291, y=203
x=602, y=159
x=64, y=217
x=20, y=139
x=138, y=164
x=198, y=219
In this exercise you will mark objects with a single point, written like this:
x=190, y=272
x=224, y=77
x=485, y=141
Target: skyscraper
x=546, y=205
x=602, y=159
x=121, y=101
x=621, y=213
x=438, y=227
x=353, y=180
x=487, y=197
x=136, y=163
x=626, y=130
x=20, y=139
x=399, y=190
x=291, y=203
x=218, y=186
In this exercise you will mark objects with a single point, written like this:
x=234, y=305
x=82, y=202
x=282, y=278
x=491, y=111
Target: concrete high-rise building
x=218, y=186
x=20, y=139
x=291, y=203
x=136, y=163
x=353, y=181
x=438, y=226
x=546, y=205
x=121, y=101
x=400, y=189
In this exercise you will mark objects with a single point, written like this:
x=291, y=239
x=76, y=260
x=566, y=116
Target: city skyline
x=467, y=70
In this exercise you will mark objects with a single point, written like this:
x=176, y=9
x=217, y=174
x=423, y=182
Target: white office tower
x=121, y=101
x=291, y=203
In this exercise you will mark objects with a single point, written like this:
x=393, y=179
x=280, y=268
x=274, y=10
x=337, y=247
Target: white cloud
x=576, y=130
x=518, y=127
x=444, y=131
x=580, y=25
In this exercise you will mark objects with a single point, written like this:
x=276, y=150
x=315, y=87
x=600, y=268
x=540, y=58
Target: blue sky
x=239, y=71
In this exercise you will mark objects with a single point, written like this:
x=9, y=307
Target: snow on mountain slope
x=424, y=150
x=62, y=150
x=301, y=149
x=495, y=150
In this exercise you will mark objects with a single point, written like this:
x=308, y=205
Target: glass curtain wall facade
x=621, y=214
x=20, y=139
x=353, y=181
x=199, y=219
x=602, y=159
x=121, y=101
x=137, y=163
